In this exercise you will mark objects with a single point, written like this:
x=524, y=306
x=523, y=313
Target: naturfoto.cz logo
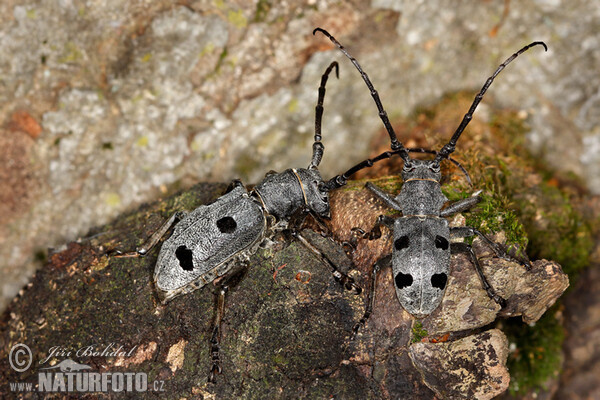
x=71, y=376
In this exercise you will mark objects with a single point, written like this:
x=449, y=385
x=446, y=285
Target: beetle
x=422, y=246
x=215, y=241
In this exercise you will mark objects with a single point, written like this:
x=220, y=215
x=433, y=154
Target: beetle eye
x=322, y=191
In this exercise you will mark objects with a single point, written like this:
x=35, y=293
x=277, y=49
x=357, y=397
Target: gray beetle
x=422, y=245
x=216, y=240
x=210, y=241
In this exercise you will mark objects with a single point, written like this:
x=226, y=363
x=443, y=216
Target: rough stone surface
x=120, y=101
x=582, y=347
x=286, y=333
x=469, y=368
x=528, y=293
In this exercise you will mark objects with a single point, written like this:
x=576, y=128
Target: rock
x=528, y=293
x=137, y=102
x=286, y=332
x=469, y=368
x=579, y=379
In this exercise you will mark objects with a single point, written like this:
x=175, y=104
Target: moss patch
x=418, y=332
x=262, y=9
x=537, y=356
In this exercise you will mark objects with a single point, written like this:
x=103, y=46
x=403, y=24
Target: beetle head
x=421, y=169
x=315, y=191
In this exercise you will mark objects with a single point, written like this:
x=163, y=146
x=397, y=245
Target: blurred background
x=108, y=104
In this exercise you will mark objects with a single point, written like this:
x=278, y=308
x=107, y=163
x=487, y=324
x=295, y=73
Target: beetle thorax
x=283, y=194
x=421, y=192
x=280, y=194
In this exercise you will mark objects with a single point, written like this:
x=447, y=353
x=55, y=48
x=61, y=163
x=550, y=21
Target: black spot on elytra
x=441, y=242
x=401, y=243
x=403, y=280
x=226, y=225
x=439, y=280
x=184, y=255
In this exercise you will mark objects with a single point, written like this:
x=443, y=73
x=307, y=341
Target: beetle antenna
x=340, y=180
x=396, y=145
x=318, y=147
x=451, y=145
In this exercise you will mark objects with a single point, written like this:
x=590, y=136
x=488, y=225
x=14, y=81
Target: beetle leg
x=215, y=339
x=357, y=233
x=350, y=244
x=384, y=196
x=324, y=229
x=345, y=280
x=382, y=220
x=231, y=279
x=154, y=239
x=295, y=222
x=460, y=205
x=466, y=231
x=382, y=262
x=491, y=292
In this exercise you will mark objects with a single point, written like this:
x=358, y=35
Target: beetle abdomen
x=420, y=262
x=206, y=240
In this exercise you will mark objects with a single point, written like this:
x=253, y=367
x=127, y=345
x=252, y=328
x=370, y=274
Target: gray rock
x=469, y=368
x=135, y=101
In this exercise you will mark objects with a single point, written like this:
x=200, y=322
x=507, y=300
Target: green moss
x=538, y=356
x=221, y=60
x=542, y=215
x=71, y=54
x=391, y=184
x=564, y=236
x=492, y=215
x=245, y=164
x=262, y=9
x=237, y=18
x=454, y=194
x=418, y=332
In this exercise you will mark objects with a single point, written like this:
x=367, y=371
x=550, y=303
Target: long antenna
x=340, y=180
x=396, y=145
x=317, y=145
x=451, y=145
